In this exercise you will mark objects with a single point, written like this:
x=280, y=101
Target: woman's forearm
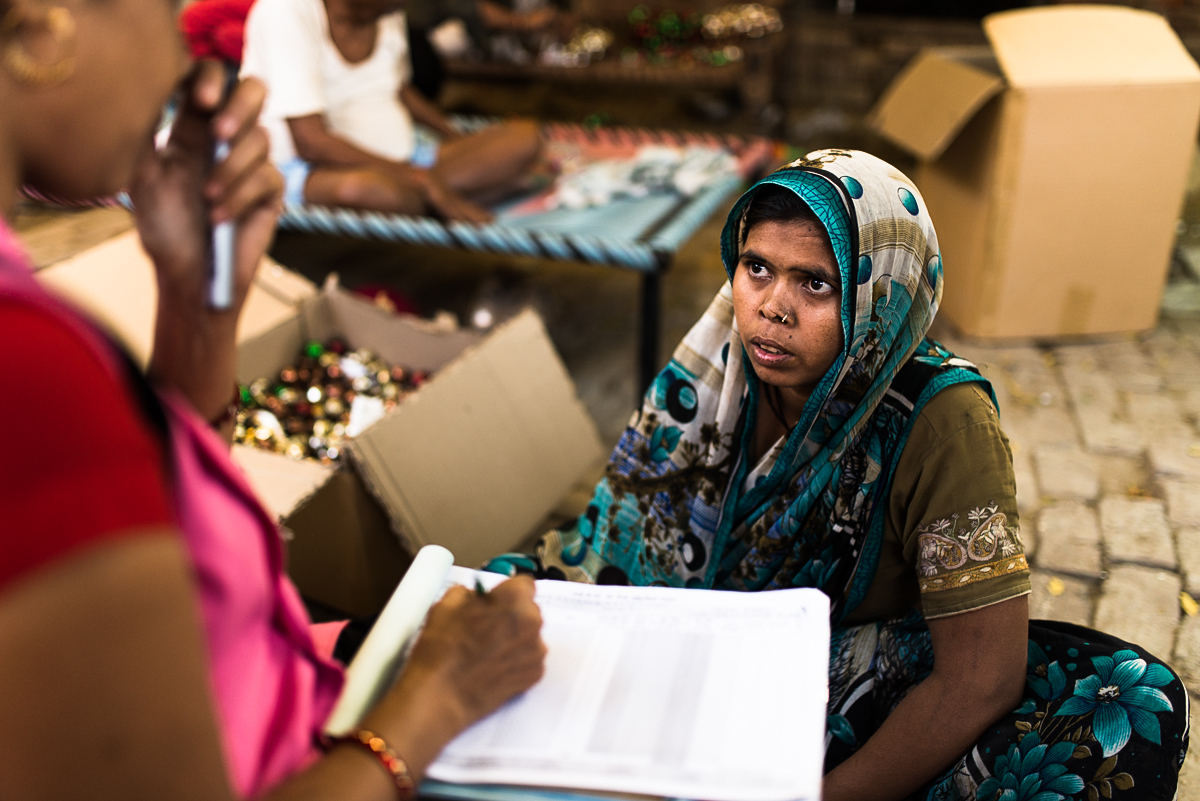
x=931, y=728
x=415, y=719
x=195, y=352
x=472, y=656
x=425, y=112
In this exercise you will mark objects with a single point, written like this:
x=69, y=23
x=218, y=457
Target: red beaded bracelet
x=397, y=767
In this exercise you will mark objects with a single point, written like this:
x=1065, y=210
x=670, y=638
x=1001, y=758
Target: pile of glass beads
x=657, y=30
x=587, y=45
x=666, y=37
x=749, y=19
x=306, y=412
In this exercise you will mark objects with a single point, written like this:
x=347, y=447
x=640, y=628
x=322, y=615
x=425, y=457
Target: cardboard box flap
x=1087, y=46
x=272, y=300
x=282, y=283
x=336, y=312
x=114, y=283
x=934, y=96
x=518, y=441
x=281, y=484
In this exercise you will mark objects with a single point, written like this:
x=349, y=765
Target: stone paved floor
x=1106, y=445
x=1107, y=457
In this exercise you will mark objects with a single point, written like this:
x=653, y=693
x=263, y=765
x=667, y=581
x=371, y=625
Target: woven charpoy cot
x=635, y=233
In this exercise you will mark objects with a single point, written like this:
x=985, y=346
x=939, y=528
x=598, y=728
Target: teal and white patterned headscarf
x=672, y=509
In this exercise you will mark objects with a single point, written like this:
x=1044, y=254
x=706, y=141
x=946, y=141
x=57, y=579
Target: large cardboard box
x=473, y=460
x=114, y=283
x=343, y=553
x=1053, y=164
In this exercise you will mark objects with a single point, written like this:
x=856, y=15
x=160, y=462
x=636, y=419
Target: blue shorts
x=296, y=170
x=425, y=148
x=295, y=174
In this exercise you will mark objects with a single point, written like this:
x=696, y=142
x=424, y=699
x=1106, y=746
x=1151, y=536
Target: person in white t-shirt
x=340, y=115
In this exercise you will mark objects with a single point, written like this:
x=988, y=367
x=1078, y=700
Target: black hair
x=774, y=203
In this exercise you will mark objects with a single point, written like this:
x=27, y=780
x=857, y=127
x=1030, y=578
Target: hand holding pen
x=180, y=196
x=487, y=644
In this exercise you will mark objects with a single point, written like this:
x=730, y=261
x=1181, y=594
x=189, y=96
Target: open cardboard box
x=473, y=460
x=1054, y=166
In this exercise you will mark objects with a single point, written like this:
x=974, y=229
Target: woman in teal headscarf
x=806, y=434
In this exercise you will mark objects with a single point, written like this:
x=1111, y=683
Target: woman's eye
x=756, y=269
x=819, y=287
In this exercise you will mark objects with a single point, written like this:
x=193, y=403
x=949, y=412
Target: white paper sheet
x=678, y=693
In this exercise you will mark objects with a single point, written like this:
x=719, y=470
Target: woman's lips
x=768, y=353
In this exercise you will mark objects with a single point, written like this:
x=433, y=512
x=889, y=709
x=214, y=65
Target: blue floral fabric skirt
x=1100, y=718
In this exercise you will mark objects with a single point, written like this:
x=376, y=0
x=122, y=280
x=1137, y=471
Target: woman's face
x=787, y=270
x=81, y=138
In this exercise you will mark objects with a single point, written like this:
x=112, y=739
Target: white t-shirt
x=288, y=47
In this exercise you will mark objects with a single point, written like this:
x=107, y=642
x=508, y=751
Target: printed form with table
x=650, y=691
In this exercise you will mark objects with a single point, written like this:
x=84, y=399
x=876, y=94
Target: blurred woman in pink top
x=150, y=643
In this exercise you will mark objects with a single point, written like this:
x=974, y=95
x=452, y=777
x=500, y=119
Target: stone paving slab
x=1123, y=475
x=1183, y=502
x=1141, y=604
x=1176, y=362
x=1190, y=402
x=1184, y=329
x=1157, y=417
x=1067, y=473
x=1032, y=426
x=1033, y=403
x=1068, y=540
x=1055, y=597
x=1028, y=493
x=1129, y=365
x=1186, y=657
x=1175, y=458
x=1135, y=530
x=1097, y=406
x=1188, y=540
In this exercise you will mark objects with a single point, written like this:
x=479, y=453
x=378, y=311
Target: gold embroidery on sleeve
x=949, y=556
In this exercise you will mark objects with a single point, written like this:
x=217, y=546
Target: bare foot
x=452, y=206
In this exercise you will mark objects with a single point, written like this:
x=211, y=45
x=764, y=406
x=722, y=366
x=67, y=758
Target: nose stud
x=779, y=318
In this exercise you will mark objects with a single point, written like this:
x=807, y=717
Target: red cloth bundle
x=215, y=28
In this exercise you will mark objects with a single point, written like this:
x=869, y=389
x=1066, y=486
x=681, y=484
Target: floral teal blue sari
x=1100, y=718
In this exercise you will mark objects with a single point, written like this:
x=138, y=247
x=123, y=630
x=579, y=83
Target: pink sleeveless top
x=273, y=689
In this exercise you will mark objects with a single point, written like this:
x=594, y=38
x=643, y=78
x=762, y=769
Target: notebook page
x=678, y=693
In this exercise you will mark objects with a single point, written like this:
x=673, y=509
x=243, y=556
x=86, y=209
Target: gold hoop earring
x=61, y=25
